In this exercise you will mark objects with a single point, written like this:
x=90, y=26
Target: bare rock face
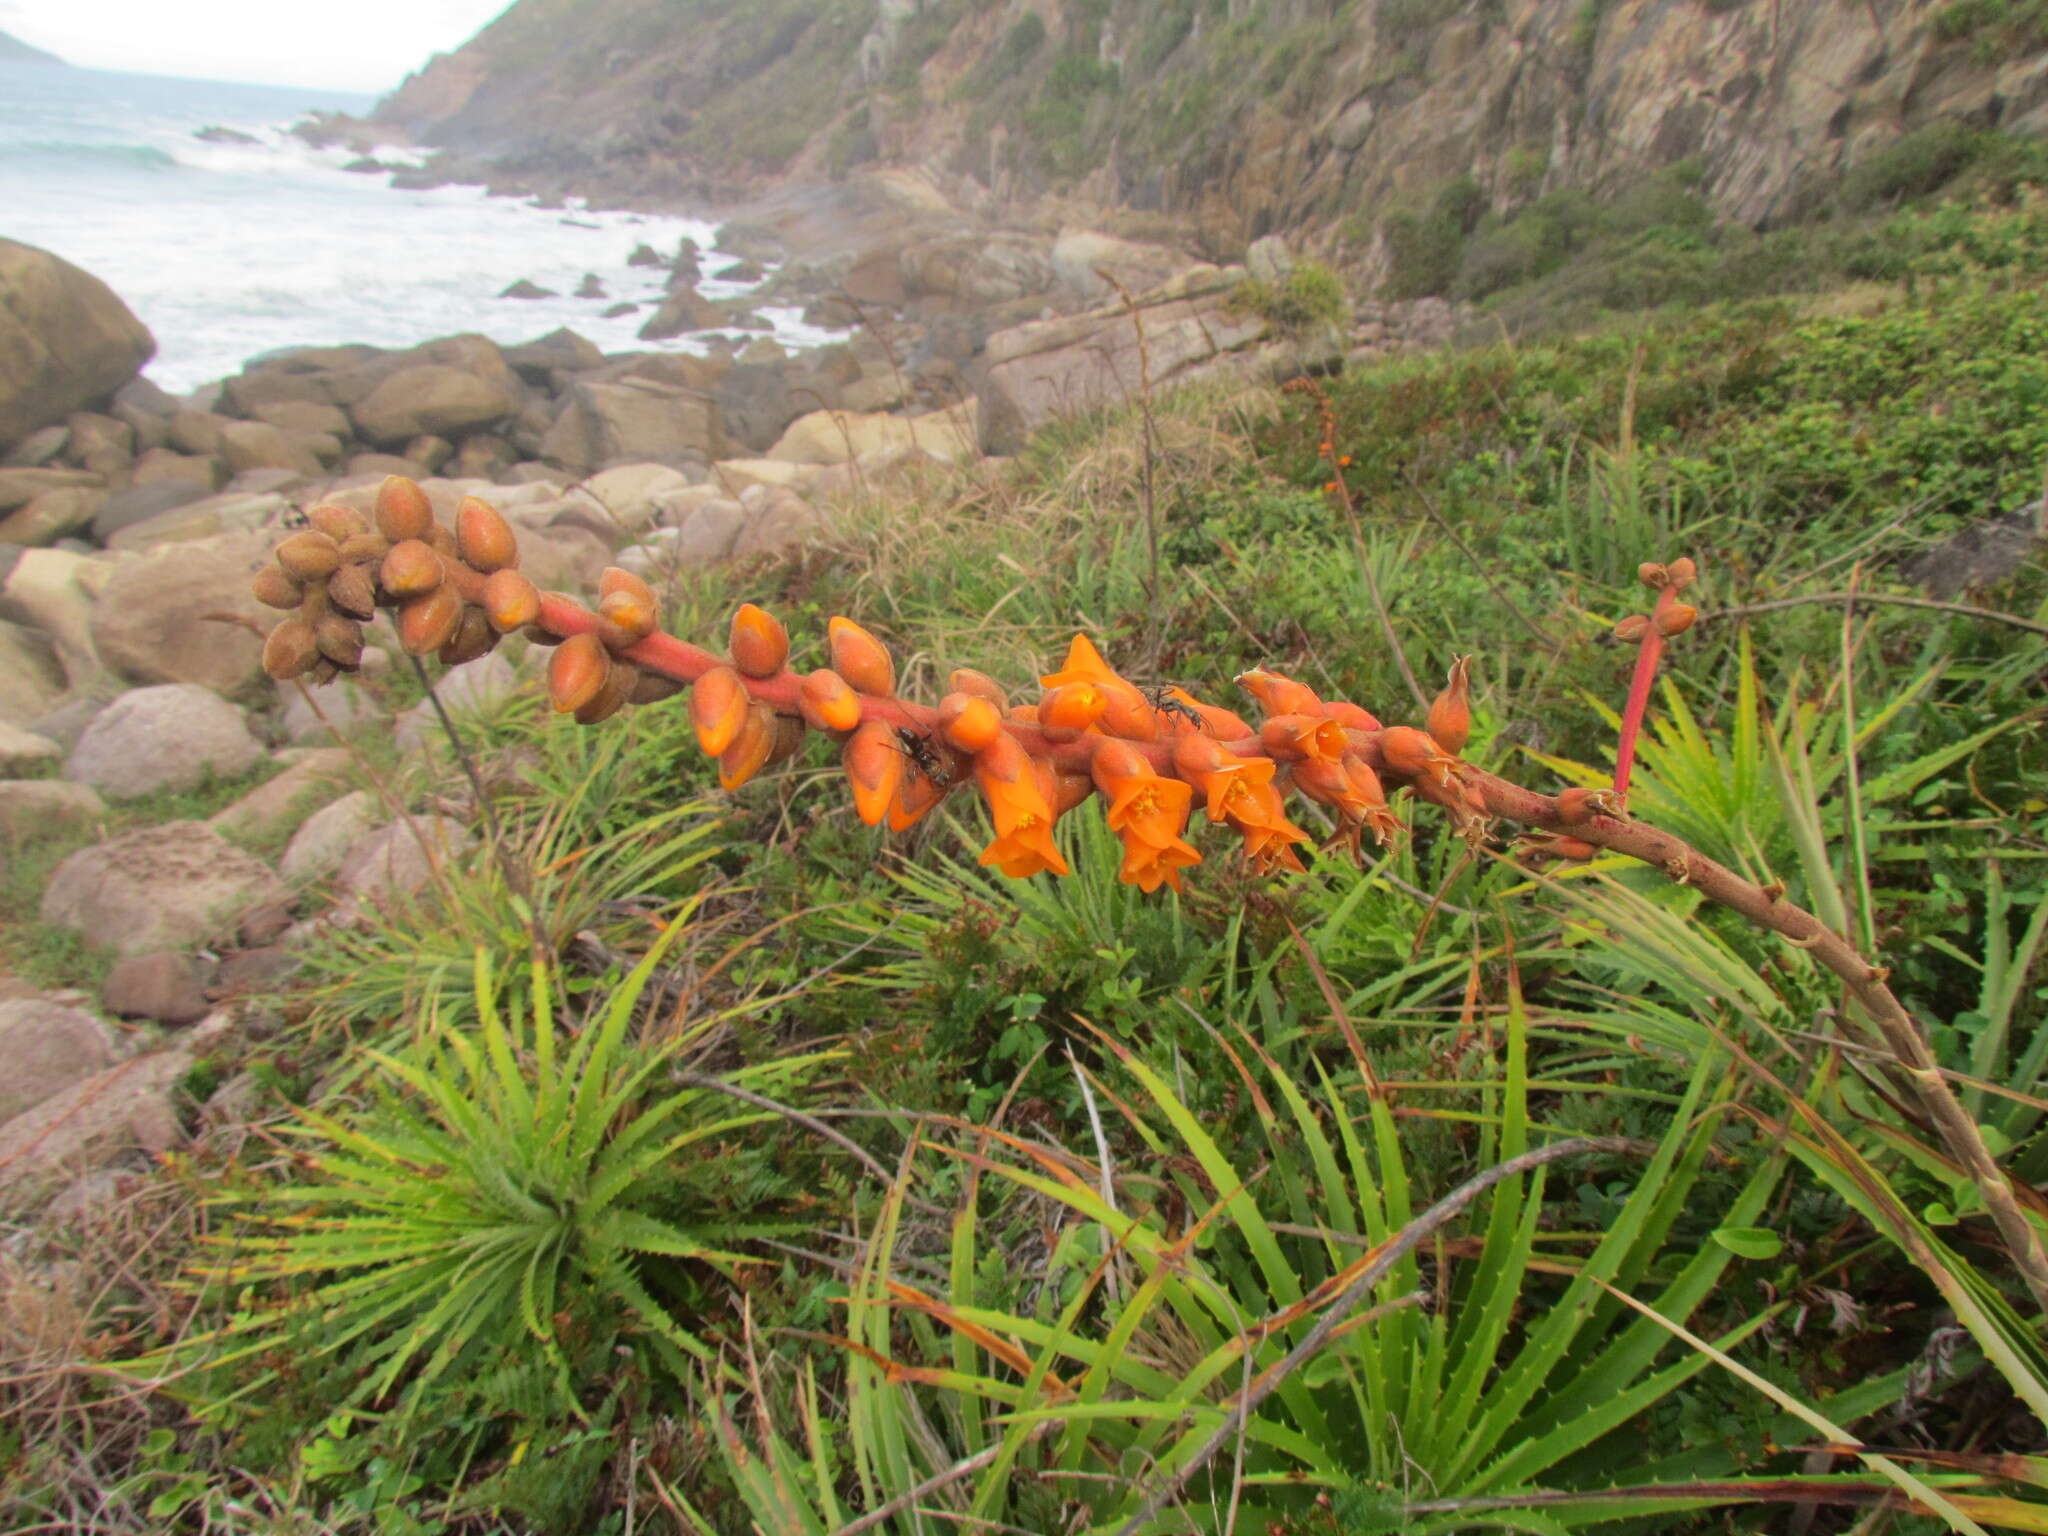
x=66, y=341
x=147, y=626
x=431, y=400
x=31, y=677
x=163, y=738
x=395, y=861
x=173, y=886
x=633, y=419
x=47, y=1048
x=309, y=782
x=1057, y=367
x=125, y=1109
x=682, y=311
x=839, y=437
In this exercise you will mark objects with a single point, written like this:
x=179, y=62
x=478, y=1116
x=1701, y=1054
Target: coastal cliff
x=1232, y=117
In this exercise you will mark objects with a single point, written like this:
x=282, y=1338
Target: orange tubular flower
x=1071, y=708
x=1084, y=664
x=1279, y=695
x=1149, y=812
x=874, y=767
x=1292, y=738
x=1240, y=791
x=1008, y=777
x=1416, y=754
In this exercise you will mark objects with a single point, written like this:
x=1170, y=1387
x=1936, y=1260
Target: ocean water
x=230, y=250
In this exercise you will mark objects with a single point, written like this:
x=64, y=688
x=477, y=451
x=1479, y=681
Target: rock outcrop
x=66, y=341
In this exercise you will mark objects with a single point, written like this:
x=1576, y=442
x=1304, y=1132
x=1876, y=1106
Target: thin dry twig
x=1860, y=599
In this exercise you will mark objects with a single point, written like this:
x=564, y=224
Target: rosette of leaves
x=527, y=1201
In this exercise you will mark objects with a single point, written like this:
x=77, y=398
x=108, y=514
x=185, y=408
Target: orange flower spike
x=1008, y=777
x=750, y=748
x=968, y=721
x=826, y=703
x=1278, y=695
x=980, y=685
x=1415, y=754
x=874, y=766
x=718, y=707
x=759, y=643
x=1291, y=738
x=860, y=658
x=1071, y=708
x=1450, y=713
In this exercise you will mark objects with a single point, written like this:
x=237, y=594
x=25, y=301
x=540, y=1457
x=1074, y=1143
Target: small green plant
x=1309, y=296
x=525, y=1222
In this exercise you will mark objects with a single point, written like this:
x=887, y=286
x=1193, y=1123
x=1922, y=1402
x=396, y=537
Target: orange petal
x=968, y=721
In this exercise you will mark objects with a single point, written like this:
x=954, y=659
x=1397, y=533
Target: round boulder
x=47, y=1048
x=431, y=400
x=66, y=340
x=175, y=886
x=165, y=738
x=146, y=624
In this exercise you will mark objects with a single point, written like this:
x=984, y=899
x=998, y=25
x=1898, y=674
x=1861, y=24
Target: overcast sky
x=361, y=45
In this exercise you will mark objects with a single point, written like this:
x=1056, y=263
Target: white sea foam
x=227, y=250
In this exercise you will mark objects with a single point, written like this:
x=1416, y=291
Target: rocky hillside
x=1237, y=117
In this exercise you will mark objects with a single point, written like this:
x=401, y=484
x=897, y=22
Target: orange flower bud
x=340, y=640
x=473, y=637
x=875, y=767
x=410, y=569
x=1127, y=713
x=1683, y=573
x=290, y=650
x=759, y=643
x=1575, y=806
x=484, y=537
x=427, y=623
x=718, y=708
x=619, y=684
x=789, y=739
x=624, y=620
x=750, y=748
x=1278, y=695
x=511, y=600
x=1224, y=724
x=1632, y=628
x=1450, y=713
x=980, y=685
x=860, y=658
x=1072, y=707
x=968, y=721
x=1575, y=849
x=1414, y=754
x=403, y=511
x=614, y=579
x=1350, y=716
x=1290, y=738
x=353, y=591
x=1675, y=619
x=1023, y=714
x=1652, y=575
x=310, y=556
x=827, y=703
x=338, y=523
x=577, y=672
x=276, y=587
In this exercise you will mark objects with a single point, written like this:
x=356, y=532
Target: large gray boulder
x=632, y=420
x=66, y=340
x=47, y=1048
x=122, y=1110
x=178, y=885
x=319, y=847
x=431, y=400
x=165, y=738
x=147, y=624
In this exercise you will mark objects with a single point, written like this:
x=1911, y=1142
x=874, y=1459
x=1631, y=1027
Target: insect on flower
x=917, y=746
x=1161, y=697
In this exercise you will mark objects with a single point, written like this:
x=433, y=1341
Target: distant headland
x=14, y=51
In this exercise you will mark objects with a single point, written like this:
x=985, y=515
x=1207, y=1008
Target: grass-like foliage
x=526, y=1220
